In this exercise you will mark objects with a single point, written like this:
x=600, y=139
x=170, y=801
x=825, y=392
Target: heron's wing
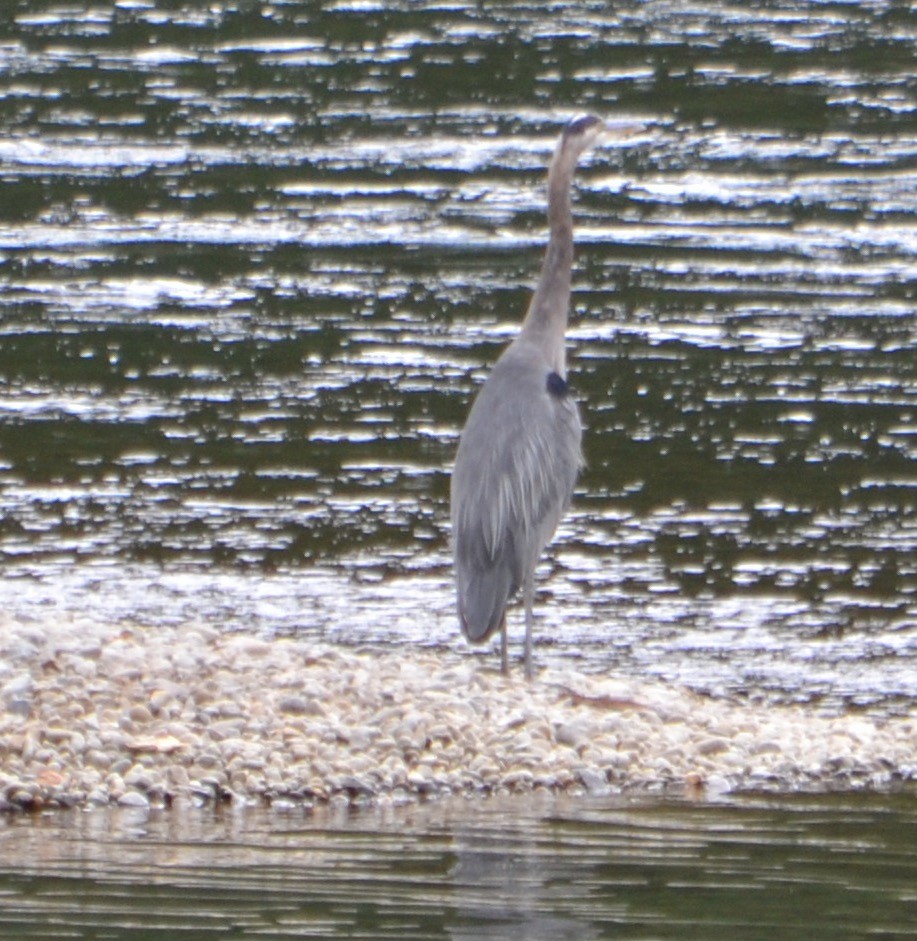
x=514, y=475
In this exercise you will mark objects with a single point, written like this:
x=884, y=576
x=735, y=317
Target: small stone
x=159, y=699
x=421, y=781
x=355, y=786
x=208, y=760
x=766, y=748
x=19, y=687
x=57, y=735
x=593, y=780
x=179, y=776
x=713, y=746
x=138, y=777
x=225, y=728
x=98, y=759
x=121, y=765
x=25, y=795
x=519, y=779
x=98, y=796
x=160, y=744
x=299, y=706
x=50, y=778
x=140, y=714
x=134, y=799
x=572, y=733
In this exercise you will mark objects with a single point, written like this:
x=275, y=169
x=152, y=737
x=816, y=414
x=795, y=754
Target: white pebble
x=134, y=799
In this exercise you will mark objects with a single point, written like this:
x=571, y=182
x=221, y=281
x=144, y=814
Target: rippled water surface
x=256, y=260
x=831, y=869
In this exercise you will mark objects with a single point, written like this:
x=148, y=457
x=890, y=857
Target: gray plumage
x=519, y=453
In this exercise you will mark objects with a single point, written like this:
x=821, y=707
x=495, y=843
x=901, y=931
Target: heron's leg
x=504, y=659
x=528, y=594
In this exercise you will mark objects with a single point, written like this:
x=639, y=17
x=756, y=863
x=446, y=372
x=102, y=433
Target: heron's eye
x=557, y=385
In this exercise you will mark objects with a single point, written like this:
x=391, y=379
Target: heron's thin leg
x=528, y=593
x=504, y=658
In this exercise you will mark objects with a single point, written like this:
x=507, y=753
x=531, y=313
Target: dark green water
x=832, y=869
x=255, y=259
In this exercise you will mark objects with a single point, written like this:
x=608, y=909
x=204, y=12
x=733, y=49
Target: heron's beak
x=618, y=129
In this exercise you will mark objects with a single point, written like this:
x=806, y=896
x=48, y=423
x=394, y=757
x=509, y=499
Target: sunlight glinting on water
x=263, y=282
x=255, y=261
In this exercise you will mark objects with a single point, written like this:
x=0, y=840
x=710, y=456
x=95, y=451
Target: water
x=254, y=262
x=547, y=868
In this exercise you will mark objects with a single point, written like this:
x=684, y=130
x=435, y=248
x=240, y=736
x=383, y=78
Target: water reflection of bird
x=519, y=453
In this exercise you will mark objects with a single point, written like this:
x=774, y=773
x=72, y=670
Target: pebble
x=134, y=799
x=142, y=717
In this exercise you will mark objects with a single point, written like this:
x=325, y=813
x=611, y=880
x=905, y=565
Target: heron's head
x=582, y=132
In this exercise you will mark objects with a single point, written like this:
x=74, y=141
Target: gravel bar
x=95, y=715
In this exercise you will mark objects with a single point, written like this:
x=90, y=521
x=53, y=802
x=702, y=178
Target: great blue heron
x=519, y=453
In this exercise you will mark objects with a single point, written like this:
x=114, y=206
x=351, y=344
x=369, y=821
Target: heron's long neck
x=546, y=319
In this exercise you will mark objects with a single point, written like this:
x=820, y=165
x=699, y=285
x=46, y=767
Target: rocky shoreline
x=95, y=715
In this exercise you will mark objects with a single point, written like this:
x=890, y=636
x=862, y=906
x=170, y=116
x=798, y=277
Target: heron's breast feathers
x=514, y=486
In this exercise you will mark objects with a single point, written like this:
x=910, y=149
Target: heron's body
x=514, y=495
x=519, y=453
